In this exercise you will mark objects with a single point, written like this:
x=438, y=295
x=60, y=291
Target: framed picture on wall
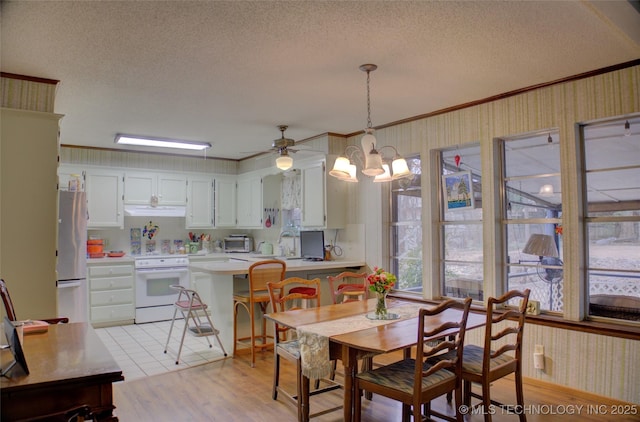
x=458, y=190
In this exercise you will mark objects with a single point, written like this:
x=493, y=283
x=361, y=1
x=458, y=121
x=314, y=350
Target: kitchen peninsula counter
x=217, y=279
x=240, y=265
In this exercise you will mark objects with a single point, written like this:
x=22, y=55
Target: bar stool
x=192, y=309
x=260, y=273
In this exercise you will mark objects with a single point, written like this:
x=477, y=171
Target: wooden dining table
x=352, y=345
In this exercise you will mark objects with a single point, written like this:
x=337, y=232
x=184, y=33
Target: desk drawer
x=112, y=297
x=112, y=313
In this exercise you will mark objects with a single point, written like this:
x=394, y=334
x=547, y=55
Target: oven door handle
x=163, y=270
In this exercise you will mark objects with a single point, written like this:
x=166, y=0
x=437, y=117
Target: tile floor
x=139, y=348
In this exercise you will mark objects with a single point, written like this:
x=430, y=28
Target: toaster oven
x=238, y=244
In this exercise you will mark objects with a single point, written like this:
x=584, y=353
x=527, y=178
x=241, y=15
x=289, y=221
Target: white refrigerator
x=71, y=266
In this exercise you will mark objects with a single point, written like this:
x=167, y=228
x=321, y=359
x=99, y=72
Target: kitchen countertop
x=240, y=263
x=109, y=260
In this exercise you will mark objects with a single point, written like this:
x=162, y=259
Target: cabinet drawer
x=112, y=297
x=111, y=283
x=112, y=313
x=110, y=270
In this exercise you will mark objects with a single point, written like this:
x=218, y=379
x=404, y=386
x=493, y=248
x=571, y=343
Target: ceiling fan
x=283, y=146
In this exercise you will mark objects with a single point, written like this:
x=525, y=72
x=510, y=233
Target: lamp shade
x=284, y=162
x=372, y=159
x=541, y=245
x=341, y=168
x=352, y=174
x=400, y=168
x=384, y=177
x=373, y=164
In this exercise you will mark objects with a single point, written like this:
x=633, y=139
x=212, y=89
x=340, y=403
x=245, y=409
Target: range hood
x=159, y=211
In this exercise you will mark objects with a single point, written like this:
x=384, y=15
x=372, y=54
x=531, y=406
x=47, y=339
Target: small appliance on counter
x=238, y=243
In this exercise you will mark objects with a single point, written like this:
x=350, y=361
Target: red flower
x=381, y=281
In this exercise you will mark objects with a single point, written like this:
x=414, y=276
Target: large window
x=532, y=220
x=461, y=223
x=612, y=217
x=406, y=229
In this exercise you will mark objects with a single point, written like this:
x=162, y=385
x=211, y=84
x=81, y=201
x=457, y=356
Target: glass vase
x=381, y=305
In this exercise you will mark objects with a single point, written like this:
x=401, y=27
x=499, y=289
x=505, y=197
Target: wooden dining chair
x=345, y=288
x=415, y=382
x=348, y=287
x=503, y=333
x=260, y=273
x=11, y=312
x=284, y=296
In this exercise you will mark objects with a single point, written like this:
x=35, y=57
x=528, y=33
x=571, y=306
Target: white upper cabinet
x=168, y=188
x=68, y=176
x=249, y=201
x=104, y=198
x=225, y=201
x=199, y=203
x=323, y=200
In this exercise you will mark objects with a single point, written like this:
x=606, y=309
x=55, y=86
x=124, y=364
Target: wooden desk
x=69, y=366
x=348, y=347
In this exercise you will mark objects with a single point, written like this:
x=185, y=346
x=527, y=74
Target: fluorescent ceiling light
x=160, y=142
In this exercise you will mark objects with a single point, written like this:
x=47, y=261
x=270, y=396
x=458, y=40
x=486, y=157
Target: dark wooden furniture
x=69, y=367
x=288, y=348
x=415, y=382
x=11, y=312
x=350, y=347
x=484, y=365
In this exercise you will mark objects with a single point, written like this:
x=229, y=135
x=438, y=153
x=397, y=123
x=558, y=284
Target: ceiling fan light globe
x=284, y=162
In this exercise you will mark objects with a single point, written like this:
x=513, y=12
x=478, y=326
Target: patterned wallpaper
x=27, y=94
x=600, y=364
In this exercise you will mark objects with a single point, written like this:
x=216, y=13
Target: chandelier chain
x=368, y=102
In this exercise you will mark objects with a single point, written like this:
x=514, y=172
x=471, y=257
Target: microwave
x=238, y=244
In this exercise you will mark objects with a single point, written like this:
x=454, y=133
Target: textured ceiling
x=230, y=72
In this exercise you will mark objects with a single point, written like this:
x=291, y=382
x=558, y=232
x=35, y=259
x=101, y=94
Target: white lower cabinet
x=201, y=283
x=111, y=293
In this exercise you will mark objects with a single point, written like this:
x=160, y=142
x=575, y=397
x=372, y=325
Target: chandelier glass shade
x=370, y=159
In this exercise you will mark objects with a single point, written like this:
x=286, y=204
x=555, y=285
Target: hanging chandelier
x=371, y=160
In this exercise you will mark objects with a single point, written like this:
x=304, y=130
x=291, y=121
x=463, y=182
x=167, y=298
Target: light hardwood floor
x=230, y=390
